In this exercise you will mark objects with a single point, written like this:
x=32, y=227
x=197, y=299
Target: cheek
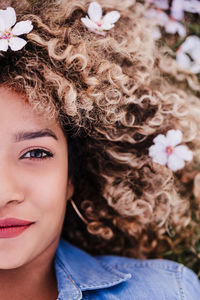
x=46, y=189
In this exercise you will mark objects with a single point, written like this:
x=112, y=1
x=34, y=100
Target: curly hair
x=111, y=95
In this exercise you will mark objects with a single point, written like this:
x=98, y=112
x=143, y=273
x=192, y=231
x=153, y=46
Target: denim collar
x=77, y=271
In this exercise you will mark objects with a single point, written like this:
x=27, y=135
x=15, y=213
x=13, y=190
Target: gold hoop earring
x=78, y=212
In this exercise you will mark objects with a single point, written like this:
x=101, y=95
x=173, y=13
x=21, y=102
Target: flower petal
x=177, y=9
x=154, y=149
x=192, y=6
x=172, y=27
x=111, y=17
x=195, y=68
x=17, y=43
x=195, y=53
x=190, y=43
x=160, y=139
x=95, y=11
x=163, y=4
x=192, y=47
x=22, y=27
x=175, y=163
x=9, y=17
x=107, y=26
x=157, y=33
x=3, y=45
x=89, y=24
x=160, y=158
x=183, y=152
x=2, y=25
x=183, y=60
x=159, y=16
x=174, y=137
x=181, y=30
x=99, y=32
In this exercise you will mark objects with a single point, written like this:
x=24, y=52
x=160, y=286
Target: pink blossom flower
x=96, y=22
x=9, y=35
x=170, y=25
x=167, y=151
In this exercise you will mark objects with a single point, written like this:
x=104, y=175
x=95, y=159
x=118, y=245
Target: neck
x=35, y=280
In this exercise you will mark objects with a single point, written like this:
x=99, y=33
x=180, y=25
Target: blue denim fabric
x=82, y=276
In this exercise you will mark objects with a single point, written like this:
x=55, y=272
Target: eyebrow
x=27, y=135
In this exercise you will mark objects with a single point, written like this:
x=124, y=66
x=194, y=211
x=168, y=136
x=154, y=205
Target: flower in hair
x=179, y=6
x=167, y=151
x=9, y=35
x=170, y=25
x=187, y=55
x=96, y=23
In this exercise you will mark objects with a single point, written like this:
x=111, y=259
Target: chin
x=10, y=264
x=12, y=259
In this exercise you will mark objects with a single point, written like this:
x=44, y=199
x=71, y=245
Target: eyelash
x=48, y=154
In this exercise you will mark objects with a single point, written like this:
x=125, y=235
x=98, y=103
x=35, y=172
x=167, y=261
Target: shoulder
x=116, y=277
x=156, y=278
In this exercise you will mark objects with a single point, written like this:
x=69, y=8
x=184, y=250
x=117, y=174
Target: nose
x=10, y=191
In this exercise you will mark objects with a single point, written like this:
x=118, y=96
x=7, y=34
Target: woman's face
x=32, y=188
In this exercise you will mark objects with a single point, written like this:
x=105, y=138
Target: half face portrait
x=34, y=181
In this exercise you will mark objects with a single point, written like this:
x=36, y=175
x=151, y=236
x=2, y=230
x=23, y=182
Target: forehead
x=16, y=114
x=15, y=105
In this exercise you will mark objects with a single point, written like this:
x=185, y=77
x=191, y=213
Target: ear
x=70, y=190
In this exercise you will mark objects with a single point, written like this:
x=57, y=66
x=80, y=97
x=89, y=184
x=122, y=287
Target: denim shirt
x=82, y=276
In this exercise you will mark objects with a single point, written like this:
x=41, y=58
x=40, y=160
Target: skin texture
x=35, y=190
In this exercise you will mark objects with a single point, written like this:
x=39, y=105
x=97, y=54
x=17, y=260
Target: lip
x=14, y=222
x=12, y=227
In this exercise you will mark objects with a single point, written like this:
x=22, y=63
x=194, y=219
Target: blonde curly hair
x=112, y=95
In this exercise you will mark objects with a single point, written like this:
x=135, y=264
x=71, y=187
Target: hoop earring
x=78, y=212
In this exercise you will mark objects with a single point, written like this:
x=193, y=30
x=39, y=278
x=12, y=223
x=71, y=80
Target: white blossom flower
x=187, y=55
x=98, y=23
x=161, y=19
x=166, y=151
x=172, y=27
x=9, y=35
